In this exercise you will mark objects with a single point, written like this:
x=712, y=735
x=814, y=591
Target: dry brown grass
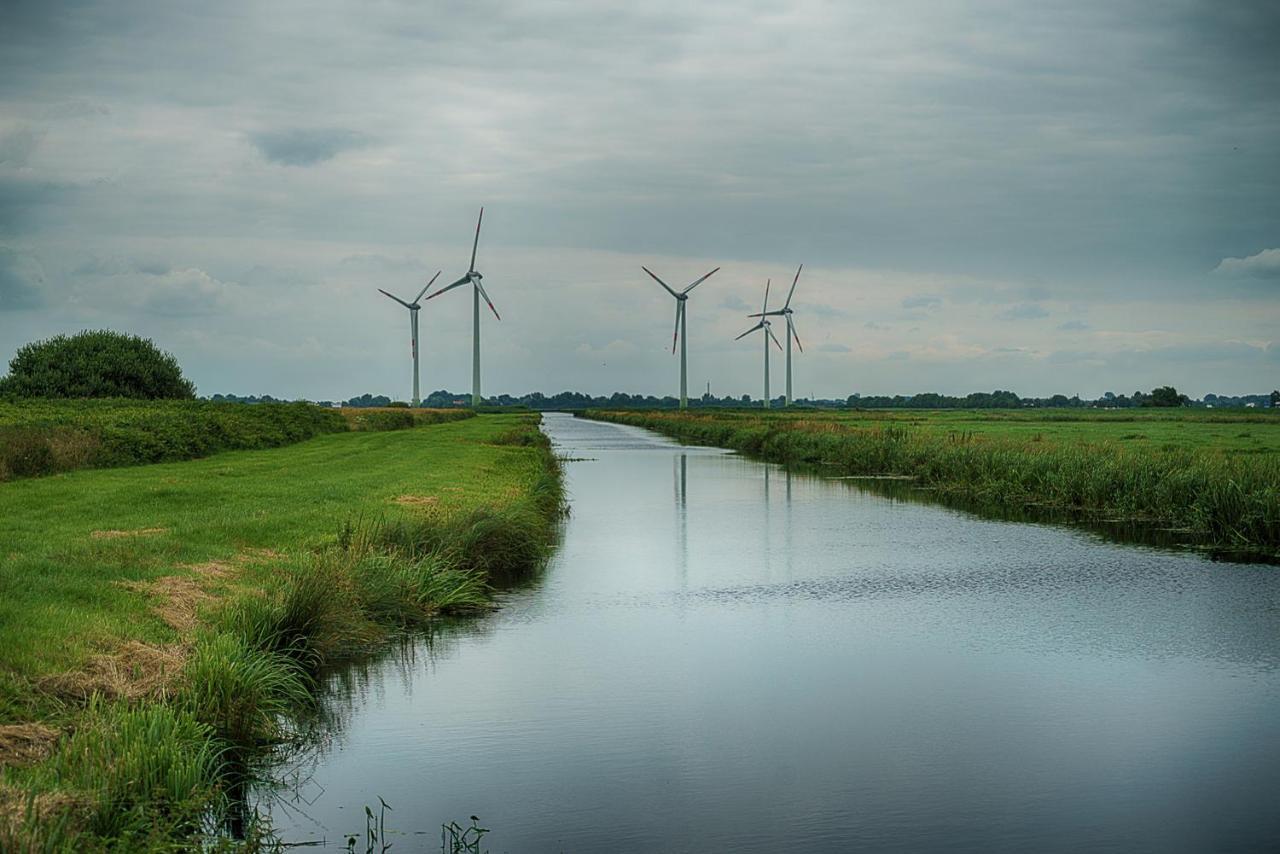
x=22, y=815
x=416, y=500
x=23, y=744
x=180, y=597
x=137, y=532
x=134, y=671
x=137, y=669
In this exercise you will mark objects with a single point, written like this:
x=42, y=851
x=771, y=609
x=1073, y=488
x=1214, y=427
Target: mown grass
x=257, y=570
x=1194, y=472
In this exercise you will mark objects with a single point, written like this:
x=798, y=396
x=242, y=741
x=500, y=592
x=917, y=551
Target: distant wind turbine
x=473, y=276
x=680, y=331
x=786, y=311
x=413, y=328
x=768, y=333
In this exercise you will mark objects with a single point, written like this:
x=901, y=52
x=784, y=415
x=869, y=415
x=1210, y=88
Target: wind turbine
x=786, y=311
x=768, y=333
x=413, y=328
x=681, y=297
x=473, y=276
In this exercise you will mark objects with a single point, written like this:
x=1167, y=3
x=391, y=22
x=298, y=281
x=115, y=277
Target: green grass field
x=1212, y=475
x=160, y=586
x=1231, y=431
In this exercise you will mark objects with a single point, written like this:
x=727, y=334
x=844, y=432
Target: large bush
x=95, y=364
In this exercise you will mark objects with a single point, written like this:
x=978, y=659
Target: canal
x=724, y=656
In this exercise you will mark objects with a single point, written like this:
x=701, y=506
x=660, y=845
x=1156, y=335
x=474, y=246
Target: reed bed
x=1223, y=500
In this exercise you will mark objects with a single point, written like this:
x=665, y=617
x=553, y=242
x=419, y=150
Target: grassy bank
x=42, y=437
x=162, y=624
x=1214, y=476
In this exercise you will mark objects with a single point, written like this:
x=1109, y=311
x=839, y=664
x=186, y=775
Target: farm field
x=1214, y=476
x=1232, y=431
x=113, y=582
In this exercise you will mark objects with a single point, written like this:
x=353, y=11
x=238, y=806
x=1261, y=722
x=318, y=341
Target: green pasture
x=60, y=600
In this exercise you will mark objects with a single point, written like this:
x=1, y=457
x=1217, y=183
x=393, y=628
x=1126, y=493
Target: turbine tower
x=473, y=276
x=786, y=311
x=768, y=333
x=681, y=297
x=413, y=328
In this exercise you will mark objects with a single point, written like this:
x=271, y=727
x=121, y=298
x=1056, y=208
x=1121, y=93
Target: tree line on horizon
x=1165, y=396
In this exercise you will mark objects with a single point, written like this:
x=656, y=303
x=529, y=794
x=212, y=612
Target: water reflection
x=726, y=655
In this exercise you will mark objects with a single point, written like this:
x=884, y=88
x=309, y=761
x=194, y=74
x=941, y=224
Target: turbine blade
x=759, y=325
x=796, y=335
x=767, y=283
x=476, y=245
x=394, y=297
x=787, y=304
x=776, y=312
x=659, y=281
x=464, y=280
x=699, y=281
x=427, y=286
x=769, y=330
x=676, y=334
x=489, y=301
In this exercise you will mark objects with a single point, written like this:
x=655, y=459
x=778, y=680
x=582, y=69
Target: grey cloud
x=183, y=293
x=16, y=147
x=21, y=281
x=1115, y=151
x=1073, y=326
x=1263, y=265
x=819, y=308
x=733, y=302
x=370, y=261
x=116, y=265
x=922, y=301
x=1024, y=311
x=833, y=348
x=306, y=147
x=871, y=324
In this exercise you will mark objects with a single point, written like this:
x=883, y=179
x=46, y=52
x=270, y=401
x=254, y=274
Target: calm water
x=726, y=657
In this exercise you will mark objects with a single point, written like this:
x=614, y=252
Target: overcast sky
x=1044, y=197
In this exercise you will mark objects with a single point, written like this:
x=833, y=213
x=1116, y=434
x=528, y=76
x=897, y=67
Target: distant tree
x=1275, y=399
x=1166, y=396
x=367, y=400
x=97, y=363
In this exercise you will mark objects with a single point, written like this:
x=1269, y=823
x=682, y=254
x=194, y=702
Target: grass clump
x=244, y=694
x=127, y=777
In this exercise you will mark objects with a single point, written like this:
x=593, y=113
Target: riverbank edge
x=1211, y=500
x=147, y=773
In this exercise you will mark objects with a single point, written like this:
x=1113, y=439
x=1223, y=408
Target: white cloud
x=1263, y=265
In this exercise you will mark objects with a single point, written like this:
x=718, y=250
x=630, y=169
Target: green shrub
x=109, y=433
x=98, y=363
x=25, y=452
